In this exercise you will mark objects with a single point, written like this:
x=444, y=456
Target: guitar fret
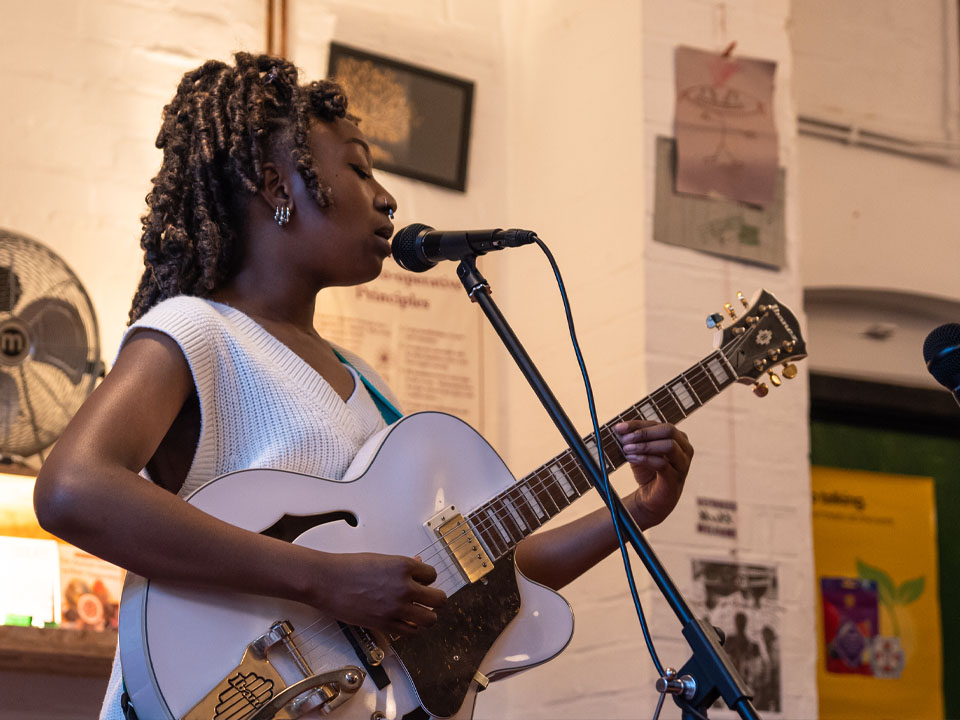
x=494, y=533
x=682, y=395
x=580, y=479
x=521, y=501
x=514, y=533
x=709, y=376
x=707, y=386
x=534, y=504
x=649, y=411
x=719, y=372
x=569, y=491
x=669, y=407
x=611, y=447
x=550, y=490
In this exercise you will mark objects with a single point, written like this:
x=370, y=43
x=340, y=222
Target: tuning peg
x=774, y=378
x=729, y=308
x=789, y=370
x=715, y=321
x=742, y=299
x=760, y=389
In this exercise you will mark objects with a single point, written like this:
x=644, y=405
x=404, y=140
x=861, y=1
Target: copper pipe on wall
x=277, y=27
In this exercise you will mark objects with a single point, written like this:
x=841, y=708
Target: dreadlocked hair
x=215, y=136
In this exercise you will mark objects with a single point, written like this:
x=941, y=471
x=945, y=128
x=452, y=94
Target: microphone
x=941, y=351
x=419, y=247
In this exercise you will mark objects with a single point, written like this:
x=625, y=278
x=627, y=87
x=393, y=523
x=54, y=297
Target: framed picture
x=417, y=121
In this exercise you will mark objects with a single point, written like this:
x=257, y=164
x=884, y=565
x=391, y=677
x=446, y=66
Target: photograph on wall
x=743, y=600
x=416, y=120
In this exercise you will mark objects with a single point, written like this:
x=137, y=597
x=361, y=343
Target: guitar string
x=564, y=461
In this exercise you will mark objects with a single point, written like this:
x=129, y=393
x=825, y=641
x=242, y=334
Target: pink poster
x=726, y=139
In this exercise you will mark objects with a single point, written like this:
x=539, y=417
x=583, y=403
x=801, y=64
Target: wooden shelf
x=57, y=650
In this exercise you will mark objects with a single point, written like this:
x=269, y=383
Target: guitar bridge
x=456, y=535
x=255, y=690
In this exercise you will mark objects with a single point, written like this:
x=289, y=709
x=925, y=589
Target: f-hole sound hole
x=290, y=527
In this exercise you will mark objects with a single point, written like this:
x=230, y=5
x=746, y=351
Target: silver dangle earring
x=282, y=215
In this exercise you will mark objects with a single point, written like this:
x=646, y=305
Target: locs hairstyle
x=216, y=134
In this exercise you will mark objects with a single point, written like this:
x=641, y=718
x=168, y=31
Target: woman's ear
x=276, y=189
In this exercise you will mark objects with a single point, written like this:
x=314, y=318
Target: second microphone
x=419, y=247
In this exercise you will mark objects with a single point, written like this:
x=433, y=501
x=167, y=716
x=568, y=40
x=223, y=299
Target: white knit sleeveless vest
x=261, y=405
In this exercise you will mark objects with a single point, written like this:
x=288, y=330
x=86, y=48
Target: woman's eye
x=361, y=172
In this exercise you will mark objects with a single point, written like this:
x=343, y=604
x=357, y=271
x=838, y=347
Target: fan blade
x=58, y=336
x=10, y=289
x=9, y=404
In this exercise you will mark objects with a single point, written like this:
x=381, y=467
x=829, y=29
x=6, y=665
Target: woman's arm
x=660, y=456
x=89, y=494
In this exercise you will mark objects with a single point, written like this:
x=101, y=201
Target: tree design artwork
x=889, y=594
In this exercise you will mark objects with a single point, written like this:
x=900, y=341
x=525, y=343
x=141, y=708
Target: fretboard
x=509, y=517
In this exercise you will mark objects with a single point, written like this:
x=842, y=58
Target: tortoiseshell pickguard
x=443, y=660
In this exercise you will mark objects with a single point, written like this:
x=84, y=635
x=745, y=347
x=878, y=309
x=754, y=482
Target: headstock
x=764, y=339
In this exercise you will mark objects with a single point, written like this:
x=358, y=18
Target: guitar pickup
x=465, y=549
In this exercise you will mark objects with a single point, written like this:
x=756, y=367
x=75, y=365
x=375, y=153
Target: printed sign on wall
x=419, y=331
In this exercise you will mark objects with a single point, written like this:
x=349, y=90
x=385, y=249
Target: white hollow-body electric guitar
x=428, y=485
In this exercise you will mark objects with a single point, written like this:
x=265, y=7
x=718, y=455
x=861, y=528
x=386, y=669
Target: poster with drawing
x=726, y=138
x=744, y=601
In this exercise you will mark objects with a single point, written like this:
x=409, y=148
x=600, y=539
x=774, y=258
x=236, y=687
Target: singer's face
x=350, y=238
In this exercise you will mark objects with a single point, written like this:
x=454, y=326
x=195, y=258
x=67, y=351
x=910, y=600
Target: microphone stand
x=709, y=673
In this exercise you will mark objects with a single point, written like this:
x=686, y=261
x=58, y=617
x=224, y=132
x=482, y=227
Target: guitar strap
x=387, y=410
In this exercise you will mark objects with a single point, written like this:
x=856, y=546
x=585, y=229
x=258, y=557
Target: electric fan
x=49, y=346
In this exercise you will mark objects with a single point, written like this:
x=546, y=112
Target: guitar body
x=177, y=644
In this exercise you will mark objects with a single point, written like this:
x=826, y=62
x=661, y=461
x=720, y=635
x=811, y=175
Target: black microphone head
x=404, y=248
x=941, y=351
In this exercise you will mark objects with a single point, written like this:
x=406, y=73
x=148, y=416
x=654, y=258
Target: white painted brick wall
x=639, y=307
x=570, y=96
x=750, y=450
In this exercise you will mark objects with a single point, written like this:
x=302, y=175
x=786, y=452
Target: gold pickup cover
x=465, y=548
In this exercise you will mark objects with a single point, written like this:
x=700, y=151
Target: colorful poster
x=875, y=548
x=726, y=138
x=744, y=601
x=91, y=590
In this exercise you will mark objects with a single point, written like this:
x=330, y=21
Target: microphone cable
x=628, y=569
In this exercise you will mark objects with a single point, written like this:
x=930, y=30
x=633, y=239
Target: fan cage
x=49, y=345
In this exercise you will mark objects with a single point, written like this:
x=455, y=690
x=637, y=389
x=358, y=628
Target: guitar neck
x=506, y=519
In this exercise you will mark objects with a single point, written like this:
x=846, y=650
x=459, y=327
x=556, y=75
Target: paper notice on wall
x=419, y=331
x=717, y=517
x=726, y=138
x=30, y=589
x=91, y=590
x=744, y=601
